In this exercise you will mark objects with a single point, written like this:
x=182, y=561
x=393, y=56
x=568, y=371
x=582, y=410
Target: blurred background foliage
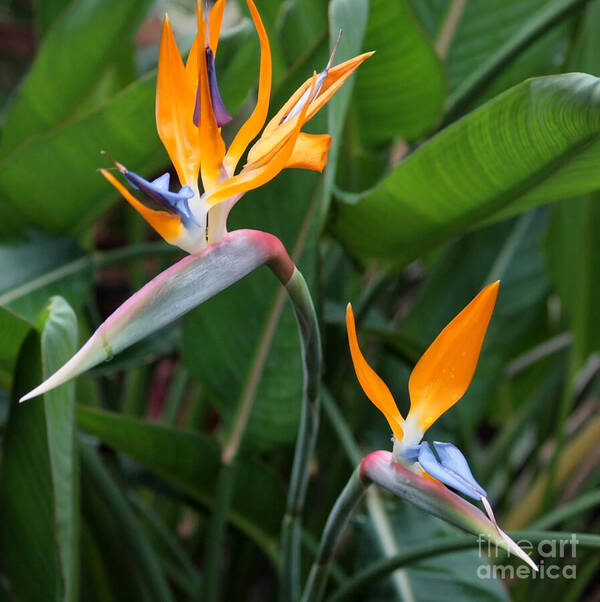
x=450, y=168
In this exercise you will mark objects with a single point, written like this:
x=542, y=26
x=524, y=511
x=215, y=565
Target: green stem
x=382, y=568
x=535, y=28
x=308, y=327
x=214, y=543
x=375, y=506
x=299, y=294
x=340, y=514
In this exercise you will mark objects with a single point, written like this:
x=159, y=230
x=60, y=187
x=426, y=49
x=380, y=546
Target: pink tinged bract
x=173, y=293
x=379, y=467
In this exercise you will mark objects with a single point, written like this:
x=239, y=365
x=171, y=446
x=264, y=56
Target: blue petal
x=452, y=468
x=453, y=459
x=412, y=452
x=162, y=182
x=222, y=116
x=158, y=192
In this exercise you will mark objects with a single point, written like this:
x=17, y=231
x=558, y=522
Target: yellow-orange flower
x=442, y=375
x=438, y=381
x=189, y=116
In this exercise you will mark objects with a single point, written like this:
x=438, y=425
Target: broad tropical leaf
x=538, y=142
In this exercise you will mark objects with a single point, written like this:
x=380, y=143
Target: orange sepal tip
x=444, y=372
x=372, y=384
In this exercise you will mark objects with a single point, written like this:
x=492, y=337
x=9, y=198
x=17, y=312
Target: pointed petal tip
x=28, y=396
x=509, y=541
x=373, y=386
x=118, y=165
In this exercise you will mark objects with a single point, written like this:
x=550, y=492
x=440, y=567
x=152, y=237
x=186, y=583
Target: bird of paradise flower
x=189, y=115
x=439, y=380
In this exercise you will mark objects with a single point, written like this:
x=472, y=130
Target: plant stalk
x=338, y=518
x=308, y=327
x=283, y=267
x=375, y=507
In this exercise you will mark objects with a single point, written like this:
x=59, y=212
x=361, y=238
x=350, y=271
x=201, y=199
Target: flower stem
x=308, y=328
x=338, y=518
x=282, y=266
x=374, y=504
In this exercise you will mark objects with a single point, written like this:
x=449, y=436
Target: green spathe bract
x=436, y=499
x=167, y=297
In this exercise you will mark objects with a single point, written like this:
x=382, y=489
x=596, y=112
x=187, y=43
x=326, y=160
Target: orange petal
x=276, y=131
x=175, y=99
x=212, y=147
x=446, y=369
x=251, y=176
x=310, y=151
x=191, y=65
x=253, y=125
x=215, y=20
x=375, y=389
x=169, y=226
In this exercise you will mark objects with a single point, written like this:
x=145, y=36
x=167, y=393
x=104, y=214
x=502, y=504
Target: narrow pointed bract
x=380, y=467
x=190, y=112
x=171, y=294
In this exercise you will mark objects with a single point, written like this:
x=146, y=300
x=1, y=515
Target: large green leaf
x=482, y=29
x=66, y=192
x=401, y=90
x=39, y=503
x=191, y=461
x=302, y=24
x=85, y=37
x=474, y=30
x=536, y=143
x=222, y=339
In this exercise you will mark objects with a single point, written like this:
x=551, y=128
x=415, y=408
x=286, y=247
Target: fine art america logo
x=553, y=563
